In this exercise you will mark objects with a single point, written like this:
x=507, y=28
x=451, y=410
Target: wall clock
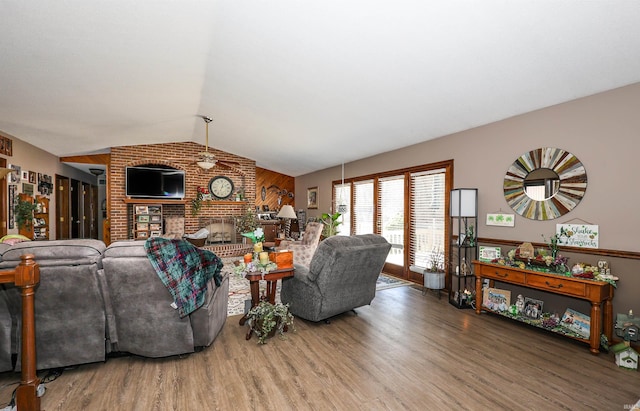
x=221, y=187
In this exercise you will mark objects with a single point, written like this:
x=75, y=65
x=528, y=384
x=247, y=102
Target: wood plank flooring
x=407, y=351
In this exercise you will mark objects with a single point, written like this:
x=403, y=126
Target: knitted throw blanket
x=185, y=270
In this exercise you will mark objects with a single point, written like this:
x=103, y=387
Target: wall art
x=578, y=235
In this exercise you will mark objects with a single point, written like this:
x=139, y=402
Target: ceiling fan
x=207, y=160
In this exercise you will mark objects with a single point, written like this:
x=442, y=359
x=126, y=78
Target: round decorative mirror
x=545, y=183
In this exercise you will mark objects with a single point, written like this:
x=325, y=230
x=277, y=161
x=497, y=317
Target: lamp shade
x=464, y=202
x=287, y=211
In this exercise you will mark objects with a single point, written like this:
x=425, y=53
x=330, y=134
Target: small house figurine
x=626, y=356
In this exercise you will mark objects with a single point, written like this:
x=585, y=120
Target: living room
x=600, y=129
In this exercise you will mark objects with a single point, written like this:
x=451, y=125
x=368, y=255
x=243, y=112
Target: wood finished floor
x=407, y=351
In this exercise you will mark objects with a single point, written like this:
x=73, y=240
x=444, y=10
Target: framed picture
x=154, y=227
x=533, y=308
x=142, y=226
x=265, y=207
x=24, y=175
x=14, y=176
x=496, y=299
x=156, y=218
x=27, y=188
x=142, y=209
x=143, y=218
x=32, y=177
x=577, y=322
x=312, y=197
x=142, y=234
x=487, y=254
x=155, y=233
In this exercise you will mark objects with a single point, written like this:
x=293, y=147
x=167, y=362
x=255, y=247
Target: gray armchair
x=341, y=277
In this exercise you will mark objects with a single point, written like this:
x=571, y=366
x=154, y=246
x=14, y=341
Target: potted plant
x=331, y=224
x=266, y=319
x=434, y=274
x=247, y=222
x=24, y=213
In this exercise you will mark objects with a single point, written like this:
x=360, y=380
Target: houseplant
x=266, y=319
x=247, y=222
x=331, y=224
x=24, y=213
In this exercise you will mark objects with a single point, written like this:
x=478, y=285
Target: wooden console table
x=596, y=292
x=26, y=276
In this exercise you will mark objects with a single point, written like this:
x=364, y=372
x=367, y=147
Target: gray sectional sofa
x=93, y=300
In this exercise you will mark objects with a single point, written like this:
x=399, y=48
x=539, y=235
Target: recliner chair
x=341, y=277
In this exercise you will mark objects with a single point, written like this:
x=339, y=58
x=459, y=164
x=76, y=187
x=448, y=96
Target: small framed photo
x=312, y=197
x=142, y=234
x=32, y=177
x=143, y=218
x=156, y=218
x=487, y=254
x=155, y=234
x=140, y=209
x=24, y=175
x=265, y=207
x=496, y=299
x=142, y=226
x=577, y=322
x=533, y=308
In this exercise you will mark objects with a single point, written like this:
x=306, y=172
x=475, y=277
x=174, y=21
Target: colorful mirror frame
x=573, y=183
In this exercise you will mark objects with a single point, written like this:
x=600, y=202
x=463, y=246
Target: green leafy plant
x=24, y=213
x=247, y=222
x=331, y=224
x=266, y=319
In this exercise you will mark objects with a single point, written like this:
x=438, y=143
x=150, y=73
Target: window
x=391, y=200
x=363, y=207
x=427, y=217
x=407, y=207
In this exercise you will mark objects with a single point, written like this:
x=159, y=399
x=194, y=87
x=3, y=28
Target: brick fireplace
x=181, y=156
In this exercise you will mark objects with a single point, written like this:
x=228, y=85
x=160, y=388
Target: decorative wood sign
x=578, y=235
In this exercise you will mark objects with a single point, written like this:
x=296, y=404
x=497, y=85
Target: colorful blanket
x=185, y=270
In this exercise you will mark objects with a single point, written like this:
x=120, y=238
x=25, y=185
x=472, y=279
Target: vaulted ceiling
x=296, y=85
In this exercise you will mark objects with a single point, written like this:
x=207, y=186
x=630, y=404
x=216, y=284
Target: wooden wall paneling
x=274, y=184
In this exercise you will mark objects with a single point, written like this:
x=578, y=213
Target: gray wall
x=601, y=130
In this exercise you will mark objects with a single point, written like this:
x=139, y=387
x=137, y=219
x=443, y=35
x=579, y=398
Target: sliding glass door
x=407, y=207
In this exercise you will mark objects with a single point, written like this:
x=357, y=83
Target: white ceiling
x=296, y=85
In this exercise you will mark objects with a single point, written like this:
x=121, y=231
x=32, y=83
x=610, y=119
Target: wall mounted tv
x=155, y=182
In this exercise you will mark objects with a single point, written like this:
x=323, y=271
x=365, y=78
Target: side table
x=271, y=278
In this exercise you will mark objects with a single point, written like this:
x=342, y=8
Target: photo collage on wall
x=26, y=182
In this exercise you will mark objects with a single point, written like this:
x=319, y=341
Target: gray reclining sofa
x=93, y=300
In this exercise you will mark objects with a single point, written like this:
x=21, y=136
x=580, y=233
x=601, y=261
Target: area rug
x=239, y=287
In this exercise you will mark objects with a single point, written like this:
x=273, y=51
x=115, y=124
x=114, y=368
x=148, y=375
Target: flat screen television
x=155, y=182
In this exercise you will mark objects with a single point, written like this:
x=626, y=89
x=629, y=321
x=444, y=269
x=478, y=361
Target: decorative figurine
x=520, y=303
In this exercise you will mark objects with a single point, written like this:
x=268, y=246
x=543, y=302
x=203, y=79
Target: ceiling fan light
x=206, y=165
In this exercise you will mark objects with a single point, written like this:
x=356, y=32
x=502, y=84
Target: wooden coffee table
x=271, y=278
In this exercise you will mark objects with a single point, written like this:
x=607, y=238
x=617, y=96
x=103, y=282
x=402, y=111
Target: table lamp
x=287, y=213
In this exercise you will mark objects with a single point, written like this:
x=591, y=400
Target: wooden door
x=63, y=212
x=94, y=211
x=75, y=205
x=3, y=201
x=86, y=211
